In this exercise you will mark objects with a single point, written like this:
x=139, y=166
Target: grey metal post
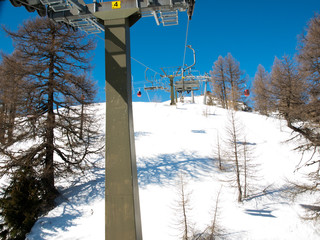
x=172, y=90
x=205, y=92
x=176, y=95
x=122, y=194
x=192, y=96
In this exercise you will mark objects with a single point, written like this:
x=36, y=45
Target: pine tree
x=21, y=203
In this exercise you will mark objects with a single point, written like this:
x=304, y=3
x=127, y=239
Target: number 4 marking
x=116, y=4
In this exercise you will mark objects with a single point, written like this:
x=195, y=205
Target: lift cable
x=185, y=47
x=131, y=57
x=144, y=65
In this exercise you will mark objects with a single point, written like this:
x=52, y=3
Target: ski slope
x=183, y=138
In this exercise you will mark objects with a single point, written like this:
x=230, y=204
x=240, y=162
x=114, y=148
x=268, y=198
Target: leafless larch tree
x=51, y=132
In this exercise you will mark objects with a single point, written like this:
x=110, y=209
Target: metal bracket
x=85, y=16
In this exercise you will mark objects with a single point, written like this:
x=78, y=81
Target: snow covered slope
x=183, y=138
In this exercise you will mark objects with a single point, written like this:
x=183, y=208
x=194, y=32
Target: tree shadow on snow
x=198, y=131
x=140, y=134
x=271, y=192
x=82, y=191
x=164, y=168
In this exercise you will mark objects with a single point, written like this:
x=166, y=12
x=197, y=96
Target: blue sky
x=254, y=32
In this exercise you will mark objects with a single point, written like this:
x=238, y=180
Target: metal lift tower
x=115, y=18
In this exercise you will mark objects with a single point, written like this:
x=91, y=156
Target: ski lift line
x=144, y=65
x=194, y=63
x=148, y=95
x=96, y=34
x=185, y=46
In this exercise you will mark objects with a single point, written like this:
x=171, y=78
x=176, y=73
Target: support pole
x=192, y=96
x=172, y=90
x=176, y=95
x=122, y=220
x=205, y=92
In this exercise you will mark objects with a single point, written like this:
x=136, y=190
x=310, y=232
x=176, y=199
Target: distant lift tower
x=115, y=18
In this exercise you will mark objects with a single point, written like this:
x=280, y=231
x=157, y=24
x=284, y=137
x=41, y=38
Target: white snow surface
x=174, y=139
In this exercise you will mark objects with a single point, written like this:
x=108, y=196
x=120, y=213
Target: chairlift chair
x=247, y=93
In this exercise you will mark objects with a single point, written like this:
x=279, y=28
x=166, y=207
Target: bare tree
x=219, y=82
x=236, y=80
x=184, y=208
x=233, y=134
x=307, y=57
x=261, y=90
x=287, y=86
x=240, y=155
x=215, y=229
x=309, y=114
x=11, y=95
x=245, y=169
x=55, y=60
x=227, y=81
x=219, y=152
x=305, y=120
x=250, y=168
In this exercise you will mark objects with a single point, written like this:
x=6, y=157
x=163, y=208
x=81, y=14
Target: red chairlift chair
x=247, y=93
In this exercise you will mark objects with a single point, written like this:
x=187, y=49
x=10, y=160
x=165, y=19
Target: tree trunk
x=219, y=152
x=236, y=153
x=49, y=168
x=238, y=174
x=224, y=95
x=2, y=123
x=185, y=237
x=11, y=118
x=245, y=168
x=81, y=121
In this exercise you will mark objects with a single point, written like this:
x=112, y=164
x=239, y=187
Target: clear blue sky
x=254, y=32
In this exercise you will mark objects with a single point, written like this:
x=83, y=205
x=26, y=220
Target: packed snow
x=171, y=140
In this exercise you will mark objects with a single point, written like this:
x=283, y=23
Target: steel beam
x=172, y=90
x=122, y=195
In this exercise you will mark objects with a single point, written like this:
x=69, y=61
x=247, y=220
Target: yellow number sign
x=116, y=4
